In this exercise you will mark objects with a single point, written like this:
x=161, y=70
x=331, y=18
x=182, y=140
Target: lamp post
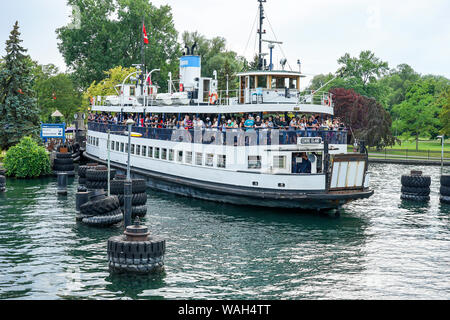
x=109, y=158
x=442, y=153
x=146, y=79
x=128, y=183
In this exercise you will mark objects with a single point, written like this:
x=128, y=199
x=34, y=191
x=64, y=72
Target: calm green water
x=380, y=248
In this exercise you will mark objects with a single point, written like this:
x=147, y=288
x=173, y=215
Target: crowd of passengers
x=247, y=122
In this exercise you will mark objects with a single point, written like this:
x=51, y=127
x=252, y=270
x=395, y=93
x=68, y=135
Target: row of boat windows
x=254, y=162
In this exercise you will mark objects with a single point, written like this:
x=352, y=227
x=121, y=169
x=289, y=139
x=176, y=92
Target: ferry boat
x=241, y=166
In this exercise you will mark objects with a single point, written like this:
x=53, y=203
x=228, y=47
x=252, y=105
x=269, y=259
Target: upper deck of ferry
x=259, y=91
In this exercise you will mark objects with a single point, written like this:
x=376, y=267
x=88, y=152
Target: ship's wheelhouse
x=269, y=87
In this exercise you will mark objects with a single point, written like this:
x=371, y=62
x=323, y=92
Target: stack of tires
x=100, y=210
x=139, y=199
x=416, y=187
x=97, y=177
x=82, y=172
x=142, y=257
x=64, y=164
x=2, y=183
x=445, y=189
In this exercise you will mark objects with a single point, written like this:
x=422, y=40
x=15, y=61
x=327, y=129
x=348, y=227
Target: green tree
x=398, y=82
x=19, y=115
x=365, y=69
x=110, y=35
x=320, y=80
x=445, y=113
x=362, y=74
x=418, y=115
x=57, y=93
x=106, y=86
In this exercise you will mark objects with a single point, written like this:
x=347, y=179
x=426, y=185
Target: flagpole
x=142, y=55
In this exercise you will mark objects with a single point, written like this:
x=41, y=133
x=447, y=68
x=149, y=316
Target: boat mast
x=261, y=32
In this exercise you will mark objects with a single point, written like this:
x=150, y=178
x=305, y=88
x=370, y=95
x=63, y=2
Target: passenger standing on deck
x=208, y=123
x=187, y=123
x=258, y=122
x=276, y=122
x=242, y=123
x=270, y=124
x=249, y=124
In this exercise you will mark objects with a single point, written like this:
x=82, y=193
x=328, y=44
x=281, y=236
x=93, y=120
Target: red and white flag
x=145, y=35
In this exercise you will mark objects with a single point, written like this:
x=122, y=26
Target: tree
x=57, y=93
x=398, y=82
x=362, y=75
x=19, y=115
x=365, y=69
x=445, y=113
x=110, y=35
x=418, y=115
x=366, y=118
x=106, y=87
x=319, y=81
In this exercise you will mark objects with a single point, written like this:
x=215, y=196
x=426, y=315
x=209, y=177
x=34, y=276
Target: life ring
x=181, y=87
x=213, y=97
x=327, y=101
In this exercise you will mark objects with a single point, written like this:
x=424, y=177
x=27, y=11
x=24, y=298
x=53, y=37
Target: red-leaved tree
x=366, y=118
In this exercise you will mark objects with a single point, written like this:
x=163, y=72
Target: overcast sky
x=318, y=32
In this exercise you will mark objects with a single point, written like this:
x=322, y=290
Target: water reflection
x=133, y=286
x=245, y=250
x=380, y=247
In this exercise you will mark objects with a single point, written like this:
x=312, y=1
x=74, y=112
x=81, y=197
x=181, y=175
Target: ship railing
x=288, y=136
x=227, y=98
x=323, y=98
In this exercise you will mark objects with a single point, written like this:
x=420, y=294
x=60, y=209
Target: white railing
x=229, y=97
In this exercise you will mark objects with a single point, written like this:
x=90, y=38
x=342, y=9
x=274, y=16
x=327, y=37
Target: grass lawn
x=424, y=145
x=430, y=149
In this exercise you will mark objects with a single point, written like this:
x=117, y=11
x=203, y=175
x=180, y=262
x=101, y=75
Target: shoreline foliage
x=27, y=160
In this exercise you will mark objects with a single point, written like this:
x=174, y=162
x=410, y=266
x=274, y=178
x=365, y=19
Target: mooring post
x=62, y=183
x=326, y=155
x=136, y=251
x=128, y=196
x=81, y=197
x=2, y=183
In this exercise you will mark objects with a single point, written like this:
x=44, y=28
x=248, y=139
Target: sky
x=317, y=33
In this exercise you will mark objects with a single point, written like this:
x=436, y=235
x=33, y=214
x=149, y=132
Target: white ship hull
x=267, y=187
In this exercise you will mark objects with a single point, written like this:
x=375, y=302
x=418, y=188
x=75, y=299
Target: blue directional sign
x=53, y=131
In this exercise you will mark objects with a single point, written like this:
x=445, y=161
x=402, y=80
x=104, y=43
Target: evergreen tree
x=19, y=114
